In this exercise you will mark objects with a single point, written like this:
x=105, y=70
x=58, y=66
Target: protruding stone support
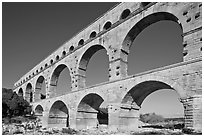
x=57, y=121
x=129, y=116
x=113, y=116
x=193, y=112
x=45, y=118
x=86, y=119
x=72, y=118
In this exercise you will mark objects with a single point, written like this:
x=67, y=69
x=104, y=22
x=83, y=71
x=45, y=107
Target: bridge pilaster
x=113, y=116
x=129, y=117
x=44, y=118
x=86, y=119
x=193, y=112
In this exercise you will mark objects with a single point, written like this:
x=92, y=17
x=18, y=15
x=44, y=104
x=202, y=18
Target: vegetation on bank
x=13, y=105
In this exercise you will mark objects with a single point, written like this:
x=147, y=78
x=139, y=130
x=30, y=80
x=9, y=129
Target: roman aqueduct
x=117, y=101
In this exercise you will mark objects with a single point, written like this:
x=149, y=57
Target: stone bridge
x=117, y=102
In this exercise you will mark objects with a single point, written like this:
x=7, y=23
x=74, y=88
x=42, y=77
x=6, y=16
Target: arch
x=81, y=42
x=92, y=35
x=125, y=14
x=54, y=79
x=140, y=91
x=29, y=93
x=142, y=24
x=51, y=61
x=83, y=63
x=131, y=102
x=46, y=65
x=107, y=25
x=58, y=115
x=64, y=53
x=39, y=111
x=71, y=48
x=89, y=112
x=39, y=93
x=57, y=57
x=20, y=92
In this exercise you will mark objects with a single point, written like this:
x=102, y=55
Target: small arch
x=125, y=14
x=41, y=68
x=64, y=53
x=39, y=111
x=58, y=115
x=46, y=65
x=81, y=42
x=36, y=71
x=89, y=112
x=92, y=35
x=57, y=57
x=107, y=25
x=71, y=48
x=20, y=92
x=51, y=61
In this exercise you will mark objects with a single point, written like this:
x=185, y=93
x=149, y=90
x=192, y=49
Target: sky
x=31, y=31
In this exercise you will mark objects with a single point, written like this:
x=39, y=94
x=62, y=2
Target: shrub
x=13, y=105
x=151, y=118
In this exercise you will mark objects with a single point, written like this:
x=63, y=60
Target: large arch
x=55, y=78
x=145, y=22
x=29, y=93
x=20, y=92
x=89, y=113
x=83, y=63
x=58, y=115
x=141, y=25
x=40, y=92
x=131, y=102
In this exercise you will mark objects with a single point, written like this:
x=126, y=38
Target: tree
x=13, y=105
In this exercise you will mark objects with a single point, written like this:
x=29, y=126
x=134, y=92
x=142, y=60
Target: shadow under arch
x=39, y=93
x=54, y=80
x=58, y=115
x=29, y=93
x=89, y=112
x=83, y=63
x=131, y=103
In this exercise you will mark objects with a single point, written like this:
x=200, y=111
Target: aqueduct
x=117, y=101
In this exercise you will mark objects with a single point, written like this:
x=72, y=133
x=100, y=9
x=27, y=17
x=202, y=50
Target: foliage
x=151, y=118
x=13, y=105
